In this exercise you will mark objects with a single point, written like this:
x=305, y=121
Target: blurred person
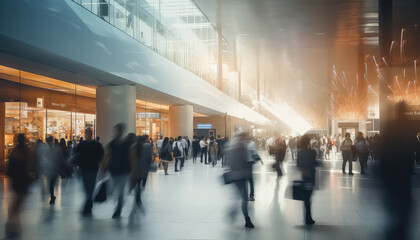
x=19, y=171
x=213, y=151
x=347, y=153
x=118, y=164
x=396, y=151
x=166, y=154
x=141, y=159
x=240, y=170
x=323, y=147
x=89, y=156
x=223, y=143
x=203, y=150
x=195, y=148
x=159, y=143
x=41, y=161
x=375, y=147
x=177, y=149
x=292, y=147
x=52, y=169
x=362, y=151
x=171, y=140
x=149, y=141
x=69, y=145
x=306, y=163
x=208, y=150
x=329, y=146
x=184, y=147
x=337, y=141
x=278, y=150
x=252, y=157
x=188, y=146
x=219, y=141
x=65, y=169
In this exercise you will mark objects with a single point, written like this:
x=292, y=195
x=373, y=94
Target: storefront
x=40, y=107
x=154, y=123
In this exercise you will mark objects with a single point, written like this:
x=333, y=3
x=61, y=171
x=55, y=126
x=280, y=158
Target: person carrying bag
x=166, y=154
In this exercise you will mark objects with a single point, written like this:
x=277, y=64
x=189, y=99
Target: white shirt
x=202, y=145
x=179, y=144
x=184, y=143
x=159, y=143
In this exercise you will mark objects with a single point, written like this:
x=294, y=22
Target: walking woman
x=141, y=158
x=19, y=171
x=346, y=149
x=362, y=151
x=213, y=151
x=166, y=154
x=306, y=162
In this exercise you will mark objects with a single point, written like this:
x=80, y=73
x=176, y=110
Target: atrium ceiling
x=296, y=41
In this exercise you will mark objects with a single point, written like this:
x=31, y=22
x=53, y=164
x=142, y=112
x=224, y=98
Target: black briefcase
x=301, y=190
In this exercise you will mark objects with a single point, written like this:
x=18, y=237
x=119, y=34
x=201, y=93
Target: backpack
x=176, y=151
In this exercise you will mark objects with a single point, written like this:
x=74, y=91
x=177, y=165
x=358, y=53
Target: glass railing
x=176, y=29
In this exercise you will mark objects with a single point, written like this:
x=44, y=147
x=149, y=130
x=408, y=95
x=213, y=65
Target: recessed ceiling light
x=237, y=2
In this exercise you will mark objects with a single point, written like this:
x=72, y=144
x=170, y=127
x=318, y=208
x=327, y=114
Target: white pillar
x=181, y=121
x=115, y=104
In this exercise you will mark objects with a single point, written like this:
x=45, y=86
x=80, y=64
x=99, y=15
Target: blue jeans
x=181, y=159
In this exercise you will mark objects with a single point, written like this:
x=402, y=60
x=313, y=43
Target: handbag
x=301, y=190
x=233, y=176
x=354, y=153
x=100, y=196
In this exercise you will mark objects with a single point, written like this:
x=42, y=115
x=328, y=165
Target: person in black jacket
x=279, y=151
x=306, y=162
x=19, y=171
x=166, y=154
x=89, y=155
x=118, y=164
x=141, y=158
x=240, y=172
x=396, y=153
x=195, y=148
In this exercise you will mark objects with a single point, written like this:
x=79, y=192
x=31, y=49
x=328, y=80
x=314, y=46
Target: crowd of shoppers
x=128, y=158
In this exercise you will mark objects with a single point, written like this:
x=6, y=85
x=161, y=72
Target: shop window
x=59, y=124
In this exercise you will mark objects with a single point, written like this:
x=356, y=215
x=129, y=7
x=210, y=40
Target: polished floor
x=193, y=204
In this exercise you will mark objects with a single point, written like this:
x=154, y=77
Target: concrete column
x=181, y=121
x=2, y=135
x=115, y=104
x=385, y=11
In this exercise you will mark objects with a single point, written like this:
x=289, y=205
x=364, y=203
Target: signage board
x=204, y=126
x=150, y=115
x=17, y=109
x=40, y=102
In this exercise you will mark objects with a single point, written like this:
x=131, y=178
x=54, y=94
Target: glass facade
x=40, y=107
x=176, y=29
